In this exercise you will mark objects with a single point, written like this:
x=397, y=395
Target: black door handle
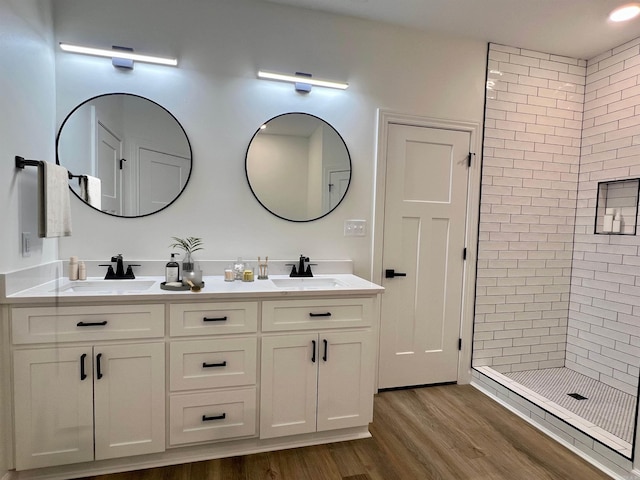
x=326, y=350
x=91, y=324
x=313, y=355
x=83, y=374
x=99, y=366
x=390, y=273
x=211, y=365
x=214, y=417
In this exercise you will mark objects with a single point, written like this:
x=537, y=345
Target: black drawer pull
x=326, y=350
x=215, y=417
x=83, y=374
x=313, y=353
x=216, y=319
x=99, y=366
x=328, y=314
x=91, y=324
x=210, y=365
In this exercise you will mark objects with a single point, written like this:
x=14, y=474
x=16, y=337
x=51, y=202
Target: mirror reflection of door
x=162, y=178
x=101, y=131
x=337, y=185
x=108, y=155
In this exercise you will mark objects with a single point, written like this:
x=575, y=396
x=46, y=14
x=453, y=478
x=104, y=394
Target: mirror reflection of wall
x=298, y=167
x=134, y=149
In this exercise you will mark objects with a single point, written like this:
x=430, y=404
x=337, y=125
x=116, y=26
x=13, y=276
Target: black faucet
x=301, y=271
x=119, y=273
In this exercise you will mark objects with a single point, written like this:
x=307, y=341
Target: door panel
x=162, y=178
x=288, y=385
x=129, y=400
x=424, y=235
x=345, y=380
x=109, y=153
x=53, y=407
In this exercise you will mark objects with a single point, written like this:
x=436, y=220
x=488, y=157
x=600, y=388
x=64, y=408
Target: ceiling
x=573, y=28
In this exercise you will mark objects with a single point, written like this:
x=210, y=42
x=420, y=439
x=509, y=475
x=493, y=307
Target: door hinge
x=471, y=154
x=459, y=344
x=464, y=253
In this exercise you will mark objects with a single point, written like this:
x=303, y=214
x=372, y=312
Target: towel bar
x=22, y=162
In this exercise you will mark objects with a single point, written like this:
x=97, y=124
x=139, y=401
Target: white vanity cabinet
x=213, y=374
x=319, y=380
x=68, y=395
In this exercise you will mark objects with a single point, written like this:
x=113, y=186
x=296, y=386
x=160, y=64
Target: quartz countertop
x=63, y=291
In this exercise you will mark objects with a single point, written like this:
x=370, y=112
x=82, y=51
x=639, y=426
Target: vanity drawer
x=212, y=318
x=202, y=417
x=91, y=323
x=226, y=362
x=317, y=314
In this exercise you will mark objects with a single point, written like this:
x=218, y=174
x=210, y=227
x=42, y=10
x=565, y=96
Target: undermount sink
x=106, y=286
x=308, y=283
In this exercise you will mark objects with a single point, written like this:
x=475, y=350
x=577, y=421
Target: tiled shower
x=558, y=289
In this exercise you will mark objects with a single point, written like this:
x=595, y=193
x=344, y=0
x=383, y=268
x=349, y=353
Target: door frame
x=385, y=118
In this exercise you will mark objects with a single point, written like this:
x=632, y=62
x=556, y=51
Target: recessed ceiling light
x=625, y=12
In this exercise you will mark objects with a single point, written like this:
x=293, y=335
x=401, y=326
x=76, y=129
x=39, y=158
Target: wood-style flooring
x=451, y=432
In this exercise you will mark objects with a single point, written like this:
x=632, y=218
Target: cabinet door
x=53, y=406
x=288, y=385
x=129, y=400
x=345, y=380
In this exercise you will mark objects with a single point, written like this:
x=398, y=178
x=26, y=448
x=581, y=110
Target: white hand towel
x=55, y=209
x=91, y=191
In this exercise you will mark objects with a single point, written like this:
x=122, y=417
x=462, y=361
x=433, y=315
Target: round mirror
x=127, y=156
x=298, y=167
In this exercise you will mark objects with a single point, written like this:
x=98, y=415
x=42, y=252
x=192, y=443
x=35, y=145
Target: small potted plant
x=189, y=245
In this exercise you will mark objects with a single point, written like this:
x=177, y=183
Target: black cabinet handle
x=91, y=324
x=326, y=350
x=210, y=365
x=390, y=273
x=215, y=417
x=328, y=314
x=83, y=375
x=215, y=319
x=313, y=354
x=99, y=366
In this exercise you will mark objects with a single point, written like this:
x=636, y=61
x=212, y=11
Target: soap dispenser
x=172, y=270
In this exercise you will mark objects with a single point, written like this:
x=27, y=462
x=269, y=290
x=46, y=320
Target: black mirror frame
x=143, y=98
x=246, y=170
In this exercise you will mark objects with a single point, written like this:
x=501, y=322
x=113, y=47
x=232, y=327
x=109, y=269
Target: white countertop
x=215, y=288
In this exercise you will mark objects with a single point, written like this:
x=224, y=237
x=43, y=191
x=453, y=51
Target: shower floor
x=607, y=414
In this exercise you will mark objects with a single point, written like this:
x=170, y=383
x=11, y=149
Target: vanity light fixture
x=303, y=81
x=118, y=54
x=625, y=12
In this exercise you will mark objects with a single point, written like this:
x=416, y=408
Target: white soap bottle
x=82, y=271
x=607, y=226
x=615, y=226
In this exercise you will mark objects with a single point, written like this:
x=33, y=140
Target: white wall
x=604, y=336
x=216, y=96
x=27, y=125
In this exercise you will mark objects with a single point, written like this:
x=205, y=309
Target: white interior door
x=162, y=178
x=108, y=155
x=424, y=238
x=338, y=183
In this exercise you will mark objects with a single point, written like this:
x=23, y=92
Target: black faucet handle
x=110, y=273
x=117, y=258
x=130, y=274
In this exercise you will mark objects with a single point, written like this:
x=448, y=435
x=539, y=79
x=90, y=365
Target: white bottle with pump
x=172, y=270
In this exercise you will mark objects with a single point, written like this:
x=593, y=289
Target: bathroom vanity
x=133, y=376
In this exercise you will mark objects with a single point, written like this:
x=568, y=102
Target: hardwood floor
x=451, y=432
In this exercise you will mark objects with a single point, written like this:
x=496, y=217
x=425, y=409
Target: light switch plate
x=355, y=228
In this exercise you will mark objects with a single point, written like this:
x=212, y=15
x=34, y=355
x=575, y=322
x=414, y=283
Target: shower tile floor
x=608, y=415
